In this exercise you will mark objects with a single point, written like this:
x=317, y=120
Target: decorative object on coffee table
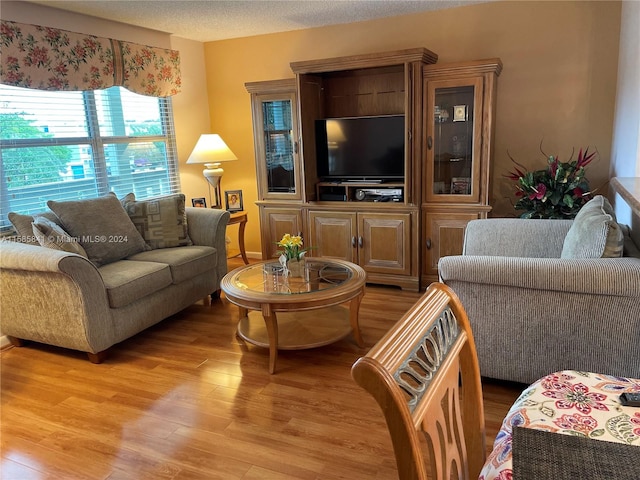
x=296, y=267
x=292, y=256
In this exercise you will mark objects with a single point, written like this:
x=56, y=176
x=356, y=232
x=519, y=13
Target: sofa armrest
x=50, y=296
x=208, y=226
x=599, y=276
x=515, y=237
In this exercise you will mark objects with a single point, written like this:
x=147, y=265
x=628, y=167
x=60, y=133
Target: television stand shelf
x=360, y=192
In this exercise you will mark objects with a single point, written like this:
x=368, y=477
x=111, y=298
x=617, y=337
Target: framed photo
x=233, y=200
x=460, y=113
x=200, y=202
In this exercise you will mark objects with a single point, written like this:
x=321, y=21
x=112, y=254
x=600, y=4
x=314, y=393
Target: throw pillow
x=161, y=221
x=102, y=227
x=129, y=197
x=594, y=232
x=22, y=225
x=51, y=235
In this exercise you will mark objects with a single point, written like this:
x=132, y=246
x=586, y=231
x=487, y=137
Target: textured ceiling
x=218, y=20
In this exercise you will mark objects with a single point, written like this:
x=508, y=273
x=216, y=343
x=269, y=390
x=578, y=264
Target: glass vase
x=296, y=267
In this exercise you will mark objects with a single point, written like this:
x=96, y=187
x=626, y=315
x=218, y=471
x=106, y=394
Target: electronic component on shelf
x=378, y=194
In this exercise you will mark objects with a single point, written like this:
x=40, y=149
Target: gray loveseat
x=59, y=298
x=533, y=312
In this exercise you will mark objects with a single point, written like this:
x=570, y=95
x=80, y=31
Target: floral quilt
x=571, y=403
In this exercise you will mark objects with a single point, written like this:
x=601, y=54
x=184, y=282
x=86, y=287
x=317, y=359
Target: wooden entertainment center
x=395, y=228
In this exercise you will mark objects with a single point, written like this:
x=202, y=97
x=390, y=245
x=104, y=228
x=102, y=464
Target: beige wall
x=191, y=114
x=625, y=151
x=558, y=83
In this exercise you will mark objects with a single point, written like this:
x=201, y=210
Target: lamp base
x=213, y=173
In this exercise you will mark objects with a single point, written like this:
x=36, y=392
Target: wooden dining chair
x=424, y=374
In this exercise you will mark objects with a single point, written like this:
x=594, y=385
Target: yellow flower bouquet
x=292, y=247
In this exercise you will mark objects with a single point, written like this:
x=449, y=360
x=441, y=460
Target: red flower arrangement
x=558, y=191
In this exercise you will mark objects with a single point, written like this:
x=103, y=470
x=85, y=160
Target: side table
x=241, y=219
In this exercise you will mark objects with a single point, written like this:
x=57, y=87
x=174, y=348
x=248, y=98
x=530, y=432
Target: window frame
x=97, y=144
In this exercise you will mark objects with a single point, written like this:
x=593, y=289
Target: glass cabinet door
x=277, y=148
x=454, y=140
x=278, y=145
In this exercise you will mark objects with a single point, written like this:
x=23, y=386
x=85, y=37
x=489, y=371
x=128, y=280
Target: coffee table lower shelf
x=298, y=330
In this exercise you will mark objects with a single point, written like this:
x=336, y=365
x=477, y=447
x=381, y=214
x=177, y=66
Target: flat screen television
x=360, y=148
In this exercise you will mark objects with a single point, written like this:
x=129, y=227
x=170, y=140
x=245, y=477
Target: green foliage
x=30, y=165
x=292, y=245
x=557, y=191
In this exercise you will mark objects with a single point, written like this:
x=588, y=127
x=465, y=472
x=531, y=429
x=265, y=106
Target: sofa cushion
x=52, y=235
x=22, y=225
x=184, y=262
x=102, y=226
x=127, y=281
x=594, y=232
x=162, y=221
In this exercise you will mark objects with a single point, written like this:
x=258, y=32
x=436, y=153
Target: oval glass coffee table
x=280, y=311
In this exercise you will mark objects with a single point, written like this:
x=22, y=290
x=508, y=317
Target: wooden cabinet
x=448, y=115
x=275, y=131
x=459, y=124
x=334, y=234
x=381, y=243
x=275, y=221
x=384, y=242
x=443, y=235
x=381, y=84
x=375, y=234
x=279, y=175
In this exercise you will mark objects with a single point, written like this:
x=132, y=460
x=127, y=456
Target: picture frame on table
x=233, y=200
x=199, y=202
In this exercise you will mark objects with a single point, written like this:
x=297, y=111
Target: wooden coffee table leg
x=271, y=322
x=354, y=311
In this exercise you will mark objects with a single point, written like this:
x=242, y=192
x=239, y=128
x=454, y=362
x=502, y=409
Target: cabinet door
x=274, y=223
x=333, y=234
x=275, y=125
x=384, y=242
x=444, y=235
x=454, y=140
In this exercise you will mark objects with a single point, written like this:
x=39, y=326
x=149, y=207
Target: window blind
x=75, y=145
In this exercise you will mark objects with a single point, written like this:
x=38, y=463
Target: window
x=75, y=145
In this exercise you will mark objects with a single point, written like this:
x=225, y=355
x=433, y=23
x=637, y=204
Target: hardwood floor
x=187, y=400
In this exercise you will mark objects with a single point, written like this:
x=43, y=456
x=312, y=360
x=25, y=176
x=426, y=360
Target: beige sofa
x=534, y=311
x=59, y=298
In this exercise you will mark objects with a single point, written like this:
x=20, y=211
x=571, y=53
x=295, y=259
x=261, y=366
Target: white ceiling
x=211, y=20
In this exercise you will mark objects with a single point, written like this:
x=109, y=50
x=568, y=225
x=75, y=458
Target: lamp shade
x=211, y=149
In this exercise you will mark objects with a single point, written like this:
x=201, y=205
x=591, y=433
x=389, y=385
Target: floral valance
x=52, y=59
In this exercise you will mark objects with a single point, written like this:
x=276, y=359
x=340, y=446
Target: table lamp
x=212, y=151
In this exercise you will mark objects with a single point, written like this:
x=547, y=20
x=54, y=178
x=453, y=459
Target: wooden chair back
x=424, y=374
